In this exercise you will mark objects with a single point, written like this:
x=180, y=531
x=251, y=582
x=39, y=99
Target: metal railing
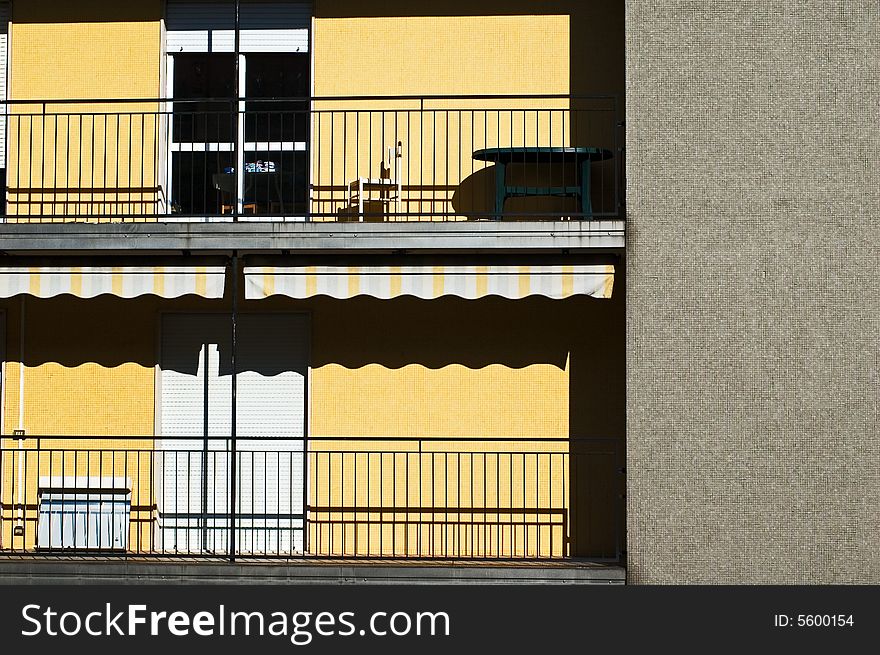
x=369, y=498
x=388, y=158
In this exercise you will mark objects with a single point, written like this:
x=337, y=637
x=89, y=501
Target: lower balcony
x=325, y=499
x=313, y=412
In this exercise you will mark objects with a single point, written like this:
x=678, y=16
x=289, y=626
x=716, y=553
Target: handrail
x=295, y=157
x=307, y=438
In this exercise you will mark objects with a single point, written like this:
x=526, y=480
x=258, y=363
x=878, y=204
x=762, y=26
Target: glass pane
x=198, y=78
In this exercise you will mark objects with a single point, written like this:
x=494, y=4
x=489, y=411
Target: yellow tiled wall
x=106, y=162
x=452, y=401
x=403, y=368
x=86, y=49
x=87, y=372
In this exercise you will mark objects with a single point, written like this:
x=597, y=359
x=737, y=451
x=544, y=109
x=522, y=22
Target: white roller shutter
x=271, y=404
x=274, y=26
x=189, y=368
x=2, y=374
x=265, y=26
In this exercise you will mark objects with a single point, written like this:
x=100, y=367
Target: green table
x=577, y=158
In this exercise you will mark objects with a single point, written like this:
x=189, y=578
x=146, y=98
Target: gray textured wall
x=753, y=295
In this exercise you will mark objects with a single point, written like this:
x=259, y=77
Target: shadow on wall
x=86, y=11
x=583, y=333
x=596, y=65
x=596, y=51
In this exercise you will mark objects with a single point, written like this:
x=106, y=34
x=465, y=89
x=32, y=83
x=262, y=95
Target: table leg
x=586, y=203
x=500, y=170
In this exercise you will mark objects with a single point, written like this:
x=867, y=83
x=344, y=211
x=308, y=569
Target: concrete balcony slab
x=72, y=570
x=248, y=237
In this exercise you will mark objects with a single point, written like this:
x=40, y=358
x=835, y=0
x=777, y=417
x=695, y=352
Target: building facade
x=313, y=280
x=752, y=305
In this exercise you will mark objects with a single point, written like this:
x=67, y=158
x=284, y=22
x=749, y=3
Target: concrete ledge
x=313, y=237
x=104, y=571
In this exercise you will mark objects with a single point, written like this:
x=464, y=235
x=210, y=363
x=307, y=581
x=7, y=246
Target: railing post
x=620, y=167
x=620, y=509
x=239, y=121
x=2, y=520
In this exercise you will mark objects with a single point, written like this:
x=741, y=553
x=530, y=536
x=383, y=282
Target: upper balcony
x=331, y=159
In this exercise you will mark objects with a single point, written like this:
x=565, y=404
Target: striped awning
x=121, y=281
x=429, y=282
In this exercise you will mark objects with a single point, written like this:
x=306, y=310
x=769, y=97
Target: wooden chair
x=388, y=185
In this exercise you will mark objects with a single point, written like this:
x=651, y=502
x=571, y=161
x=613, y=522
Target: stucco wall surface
x=753, y=301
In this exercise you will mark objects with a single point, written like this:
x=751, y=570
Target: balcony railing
x=313, y=159
x=369, y=498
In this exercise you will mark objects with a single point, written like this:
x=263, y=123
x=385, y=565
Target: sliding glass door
x=239, y=129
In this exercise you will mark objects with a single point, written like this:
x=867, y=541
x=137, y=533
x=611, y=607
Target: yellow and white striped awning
x=122, y=281
x=429, y=282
